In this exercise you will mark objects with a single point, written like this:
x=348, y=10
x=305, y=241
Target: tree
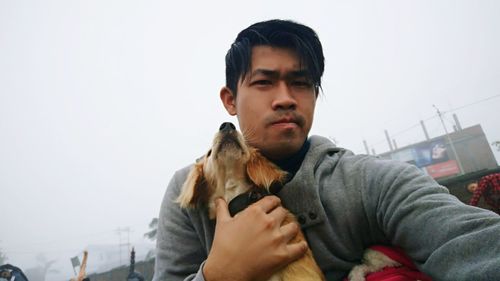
x=39, y=272
x=153, y=226
x=151, y=235
x=3, y=257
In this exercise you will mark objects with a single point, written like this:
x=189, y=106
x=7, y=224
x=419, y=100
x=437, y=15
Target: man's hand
x=252, y=245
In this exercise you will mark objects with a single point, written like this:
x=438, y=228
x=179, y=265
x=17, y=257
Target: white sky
x=101, y=101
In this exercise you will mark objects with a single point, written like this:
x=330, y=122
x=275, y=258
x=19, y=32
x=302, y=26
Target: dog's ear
x=263, y=172
x=194, y=189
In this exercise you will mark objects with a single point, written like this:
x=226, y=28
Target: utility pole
x=457, y=123
x=450, y=141
x=366, y=147
x=425, y=130
x=388, y=140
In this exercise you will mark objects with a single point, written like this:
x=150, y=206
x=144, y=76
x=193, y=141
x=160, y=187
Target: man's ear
x=228, y=100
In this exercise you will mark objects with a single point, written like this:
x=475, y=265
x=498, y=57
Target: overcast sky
x=101, y=101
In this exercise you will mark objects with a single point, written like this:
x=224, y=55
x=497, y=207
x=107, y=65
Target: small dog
x=239, y=173
x=232, y=169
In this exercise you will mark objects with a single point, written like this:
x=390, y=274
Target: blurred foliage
x=153, y=226
x=3, y=257
x=44, y=266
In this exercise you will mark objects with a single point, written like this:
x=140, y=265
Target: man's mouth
x=285, y=120
x=289, y=121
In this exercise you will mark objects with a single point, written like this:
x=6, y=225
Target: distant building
x=473, y=159
x=437, y=158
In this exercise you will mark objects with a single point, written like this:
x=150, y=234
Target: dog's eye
x=209, y=152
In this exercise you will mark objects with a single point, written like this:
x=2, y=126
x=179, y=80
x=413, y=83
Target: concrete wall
x=145, y=268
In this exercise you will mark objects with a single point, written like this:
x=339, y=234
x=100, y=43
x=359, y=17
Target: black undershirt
x=292, y=164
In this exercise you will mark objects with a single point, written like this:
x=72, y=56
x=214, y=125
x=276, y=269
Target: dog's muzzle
x=227, y=126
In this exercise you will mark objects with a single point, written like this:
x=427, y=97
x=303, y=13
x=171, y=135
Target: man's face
x=274, y=103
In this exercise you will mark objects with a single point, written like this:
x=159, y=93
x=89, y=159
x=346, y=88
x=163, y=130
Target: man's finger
x=297, y=250
x=222, y=211
x=279, y=214
x=289, y=231
x=268, y=203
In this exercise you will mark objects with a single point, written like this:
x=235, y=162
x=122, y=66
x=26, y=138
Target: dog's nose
x=227, y=126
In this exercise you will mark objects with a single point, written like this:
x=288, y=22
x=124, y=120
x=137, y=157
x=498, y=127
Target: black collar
x=242, y=201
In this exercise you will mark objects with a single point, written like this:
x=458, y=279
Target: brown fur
x=229, y=169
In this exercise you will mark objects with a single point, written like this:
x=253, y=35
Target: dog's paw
x=358, y=273
x=373, y=261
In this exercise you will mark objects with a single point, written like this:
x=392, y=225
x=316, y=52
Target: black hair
x=275, y=33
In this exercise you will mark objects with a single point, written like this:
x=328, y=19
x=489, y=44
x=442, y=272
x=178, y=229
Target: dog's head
x=229, y=168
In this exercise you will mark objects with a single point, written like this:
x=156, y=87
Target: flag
x=75, y=261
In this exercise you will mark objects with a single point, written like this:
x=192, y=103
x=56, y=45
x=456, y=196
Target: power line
x=448, y=111
x=473, y=103
x=435, y=116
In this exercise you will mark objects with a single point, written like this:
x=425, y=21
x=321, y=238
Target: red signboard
x=443, y=169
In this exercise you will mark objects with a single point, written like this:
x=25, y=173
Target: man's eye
x=262, y=82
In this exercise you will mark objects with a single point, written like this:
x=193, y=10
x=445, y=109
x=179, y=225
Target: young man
x=344, y=202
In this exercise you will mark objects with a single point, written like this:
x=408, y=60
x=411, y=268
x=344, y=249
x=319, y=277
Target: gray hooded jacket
x=346, y=203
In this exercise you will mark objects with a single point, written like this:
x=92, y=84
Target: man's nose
x=227, y=126
x=284, y=98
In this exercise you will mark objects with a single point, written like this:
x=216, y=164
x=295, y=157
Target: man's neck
x=292, y=163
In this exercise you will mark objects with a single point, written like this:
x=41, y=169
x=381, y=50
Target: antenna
x=120, y=244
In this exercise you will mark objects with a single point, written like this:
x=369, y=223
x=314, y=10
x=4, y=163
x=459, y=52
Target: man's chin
x=282, y=149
